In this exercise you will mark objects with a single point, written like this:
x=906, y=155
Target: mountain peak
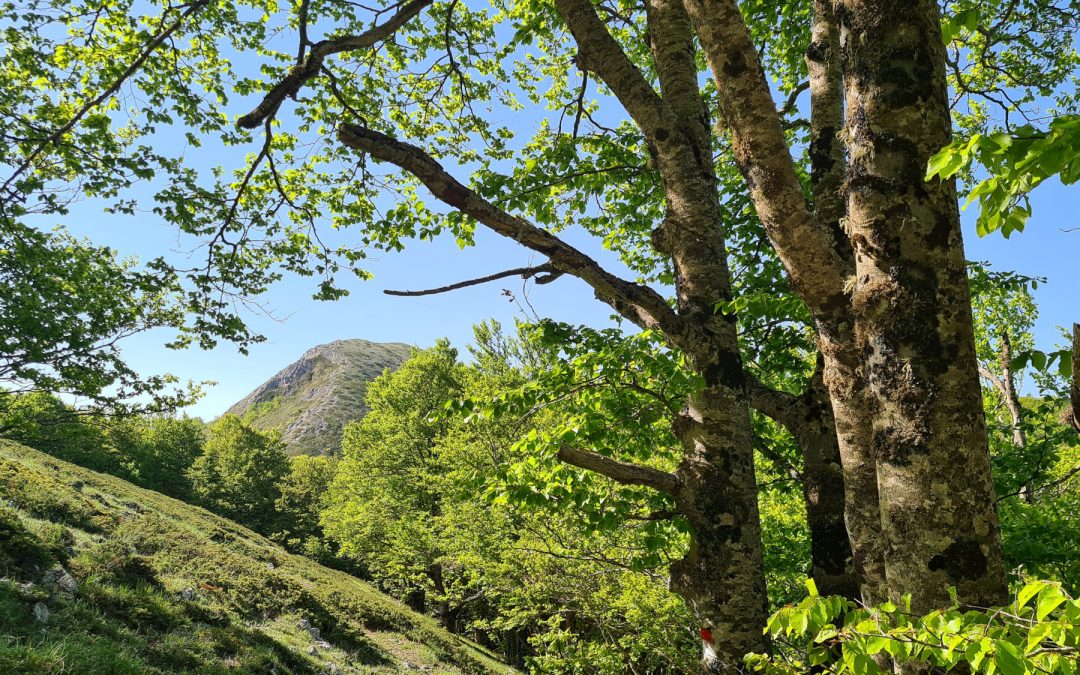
x=312, y=399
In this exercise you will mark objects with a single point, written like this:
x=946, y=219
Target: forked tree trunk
x=913, y=312
x=843, y=375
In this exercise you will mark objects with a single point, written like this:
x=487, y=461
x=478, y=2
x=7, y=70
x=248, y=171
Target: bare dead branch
x=543, y=274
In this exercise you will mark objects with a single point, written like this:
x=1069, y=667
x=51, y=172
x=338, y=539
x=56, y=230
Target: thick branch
x=599, y=53
x=807, y=250
x=621, y=472
x=311, y=66
x=548, y=273
x=671, y=39
x=779, y=406
x=828, y=165
x=677, y=132
x=636, y=302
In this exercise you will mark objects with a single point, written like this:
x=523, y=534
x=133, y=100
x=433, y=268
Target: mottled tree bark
x=836, y=335
x=913, y=313
x=809, y=419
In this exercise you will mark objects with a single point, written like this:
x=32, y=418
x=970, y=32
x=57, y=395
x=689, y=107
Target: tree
x=461, y=512
x=304, y=491
x=65, y=307
x=239, y=472
x=158, y=452
x=44, y=422
x=386, y=503
x=870, y=246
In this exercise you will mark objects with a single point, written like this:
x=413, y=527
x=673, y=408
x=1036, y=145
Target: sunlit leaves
x=65, y=308
x=1016, y=163
x=1038, y=633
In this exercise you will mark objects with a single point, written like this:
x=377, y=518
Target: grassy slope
x=168, y=587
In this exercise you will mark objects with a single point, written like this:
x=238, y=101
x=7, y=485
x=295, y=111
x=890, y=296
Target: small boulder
x=58, y=578
x=67, y=583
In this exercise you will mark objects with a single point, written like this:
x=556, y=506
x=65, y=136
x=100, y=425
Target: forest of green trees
x=815, y=438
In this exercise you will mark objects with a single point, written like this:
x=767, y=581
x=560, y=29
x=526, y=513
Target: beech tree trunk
x=851, y=405
x=809, y=419
x=824, y=492
x=913, y=322
x=722, y=577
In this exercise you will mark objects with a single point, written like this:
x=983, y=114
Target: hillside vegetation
x=311, y=400
x=100, y=576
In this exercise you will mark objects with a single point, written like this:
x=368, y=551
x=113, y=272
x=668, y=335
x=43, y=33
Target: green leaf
x=1049, y=599
x=1029, y=591
x=1008, y=658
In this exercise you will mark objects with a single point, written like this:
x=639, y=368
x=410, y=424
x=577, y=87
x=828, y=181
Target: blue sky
x=299, y=322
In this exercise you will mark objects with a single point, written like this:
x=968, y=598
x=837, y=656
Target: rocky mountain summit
x=313, y=399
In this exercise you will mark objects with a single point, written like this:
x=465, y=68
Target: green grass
x=166, y=587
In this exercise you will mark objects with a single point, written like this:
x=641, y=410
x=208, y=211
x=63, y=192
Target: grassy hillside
x=136, y=582
x=311, y=400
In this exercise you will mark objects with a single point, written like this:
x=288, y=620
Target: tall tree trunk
x=913, y=312
x=843, y=367
x=722, y=577
x=809, y=419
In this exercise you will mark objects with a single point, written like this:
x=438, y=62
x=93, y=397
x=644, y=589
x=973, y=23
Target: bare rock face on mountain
x=311, y=400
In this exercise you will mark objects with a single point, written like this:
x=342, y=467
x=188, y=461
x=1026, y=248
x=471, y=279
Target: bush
x=1038, y=633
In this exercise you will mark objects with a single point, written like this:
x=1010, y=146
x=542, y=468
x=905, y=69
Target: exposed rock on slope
x=311, y=400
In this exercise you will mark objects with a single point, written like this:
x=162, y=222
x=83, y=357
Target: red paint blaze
x=706, y=635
